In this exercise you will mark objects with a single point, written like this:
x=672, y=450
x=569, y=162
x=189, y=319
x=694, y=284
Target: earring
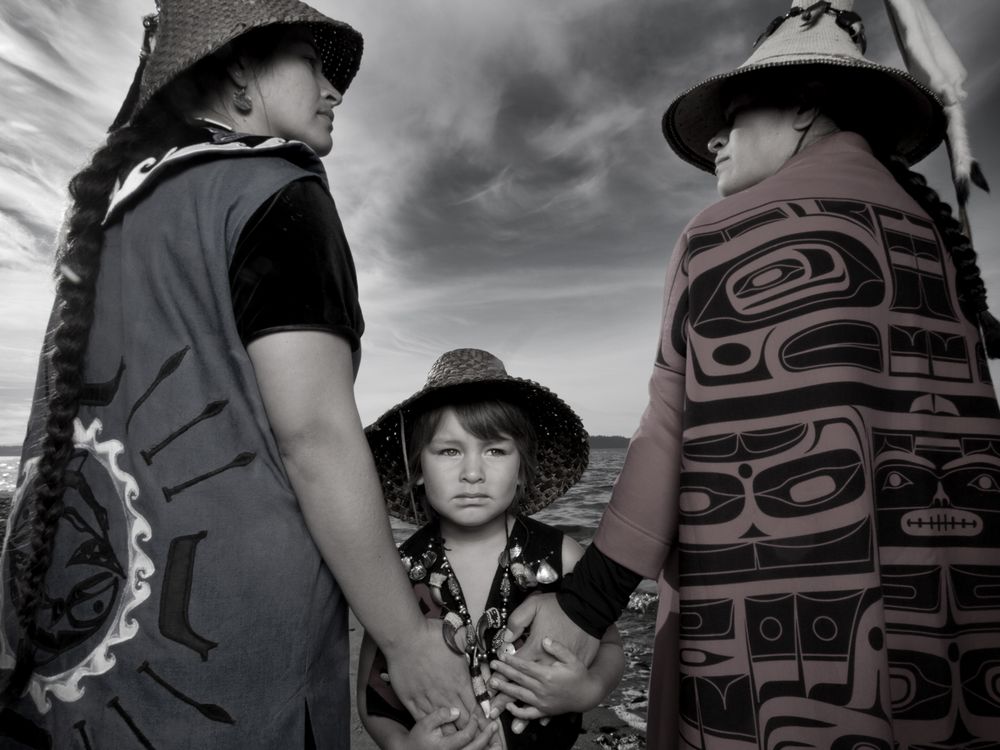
x=242, y=102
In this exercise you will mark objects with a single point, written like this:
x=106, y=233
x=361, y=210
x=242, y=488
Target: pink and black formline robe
x=815, y=483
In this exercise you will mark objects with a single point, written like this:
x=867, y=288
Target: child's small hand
x=548, y=689
x=428, y=734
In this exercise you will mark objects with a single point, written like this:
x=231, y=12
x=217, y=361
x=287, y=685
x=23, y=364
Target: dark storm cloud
x=574, y=158
x=498, y=165
x=53, y=100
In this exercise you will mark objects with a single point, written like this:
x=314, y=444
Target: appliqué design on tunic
x=98, y=606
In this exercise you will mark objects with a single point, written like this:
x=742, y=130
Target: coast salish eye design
x=104, y=564
x=91, y=616
x=763, y=485
x=986, y=483
x=830, y=566
x=895, y=480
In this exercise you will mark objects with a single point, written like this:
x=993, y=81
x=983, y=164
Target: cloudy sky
x=498, y=165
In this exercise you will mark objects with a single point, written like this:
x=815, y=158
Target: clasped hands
x=545, y=677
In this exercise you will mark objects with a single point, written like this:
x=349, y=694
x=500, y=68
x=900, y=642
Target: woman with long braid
x=815, y=483
x=198, y=502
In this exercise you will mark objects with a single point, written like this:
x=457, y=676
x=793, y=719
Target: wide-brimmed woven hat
x=825, y=39
x=563, y=447
x=185, y=31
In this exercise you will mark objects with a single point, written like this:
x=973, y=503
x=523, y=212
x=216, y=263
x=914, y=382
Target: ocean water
x=577, y=514
x=8, y=474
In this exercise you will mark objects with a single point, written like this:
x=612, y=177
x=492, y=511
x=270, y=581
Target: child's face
x=468, y=481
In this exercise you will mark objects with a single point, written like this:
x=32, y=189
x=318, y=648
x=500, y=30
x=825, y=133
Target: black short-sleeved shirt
x=293, y=270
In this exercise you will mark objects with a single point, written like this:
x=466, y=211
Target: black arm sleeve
x=595, y=593
x=293, y=269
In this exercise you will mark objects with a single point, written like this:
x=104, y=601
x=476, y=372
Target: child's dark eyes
x=455, y=452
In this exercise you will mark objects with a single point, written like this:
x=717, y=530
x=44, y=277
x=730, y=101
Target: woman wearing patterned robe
x=815, y=483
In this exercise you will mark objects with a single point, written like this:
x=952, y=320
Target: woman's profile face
x=755, y=144
x=292, y=98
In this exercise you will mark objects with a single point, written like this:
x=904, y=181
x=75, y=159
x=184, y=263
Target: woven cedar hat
x=825, y=40
x=186, y=31
x=563, y=448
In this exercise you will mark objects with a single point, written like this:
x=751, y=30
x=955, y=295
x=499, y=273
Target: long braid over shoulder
x=971, y=289
x=158, y=127
x=78, y=262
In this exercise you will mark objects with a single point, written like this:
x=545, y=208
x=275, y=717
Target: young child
x=471, y=456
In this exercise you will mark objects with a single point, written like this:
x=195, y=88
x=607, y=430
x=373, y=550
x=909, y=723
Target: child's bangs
x=494, y=420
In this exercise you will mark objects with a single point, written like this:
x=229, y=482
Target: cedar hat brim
x=189, y=30
x=563, y=445
x=897, y=110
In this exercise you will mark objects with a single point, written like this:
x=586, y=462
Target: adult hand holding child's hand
x=546, y=618
x=436, y=731
x=564, y=686
x=427, y=676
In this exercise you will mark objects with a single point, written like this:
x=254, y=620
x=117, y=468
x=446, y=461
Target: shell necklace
x=483, y=641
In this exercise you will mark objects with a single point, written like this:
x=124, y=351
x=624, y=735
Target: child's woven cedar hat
x=825, y=40
x=563, y=447
x=182, y=32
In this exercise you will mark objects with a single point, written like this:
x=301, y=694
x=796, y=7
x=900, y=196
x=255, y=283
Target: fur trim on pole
x=931, y=59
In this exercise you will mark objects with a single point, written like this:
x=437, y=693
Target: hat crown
x=465, y=366
x=835, y=4
x=810, y=31
x=187, y=31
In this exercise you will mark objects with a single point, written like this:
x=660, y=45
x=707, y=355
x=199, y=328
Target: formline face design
x=839, y=500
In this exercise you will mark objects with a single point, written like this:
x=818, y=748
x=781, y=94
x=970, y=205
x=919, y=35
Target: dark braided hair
x=159, y=127
x=971, y=289
x=78, y=261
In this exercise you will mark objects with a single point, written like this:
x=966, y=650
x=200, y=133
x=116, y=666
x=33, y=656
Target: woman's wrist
x=595, y=593
x=404, y=635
